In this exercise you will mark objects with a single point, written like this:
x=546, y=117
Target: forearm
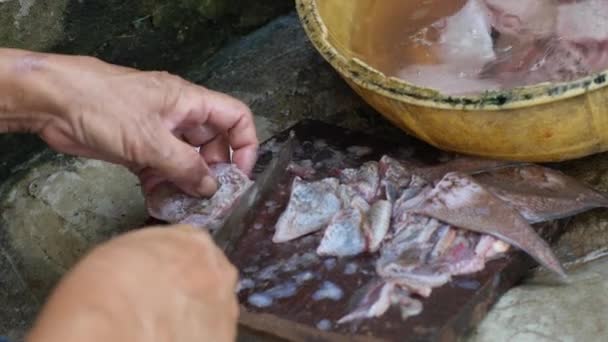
x=28, y=97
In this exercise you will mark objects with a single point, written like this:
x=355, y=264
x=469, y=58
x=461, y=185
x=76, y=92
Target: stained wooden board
x=448, y=313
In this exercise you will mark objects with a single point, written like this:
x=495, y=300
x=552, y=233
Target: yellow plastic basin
x=541, y=123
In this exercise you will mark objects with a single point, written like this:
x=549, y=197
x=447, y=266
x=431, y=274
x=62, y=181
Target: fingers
x=234, y=118
x=217, y=150
x=181, y=164
x=222, y=113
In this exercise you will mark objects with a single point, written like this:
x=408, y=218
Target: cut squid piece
x=311, y=206
x=461, y=258
x=446, y=238
x=379, y=223
x=351, y=198
x=167, y=203
x=374, y=303
x=344, y=235
x=364, y=180
x=394, y=178
x=466, y=39
x=431, y=275
x=409, y=306
x=460, y=201
x=466, y=165
x=541, y=194
x=489, y=248
x=525, y=19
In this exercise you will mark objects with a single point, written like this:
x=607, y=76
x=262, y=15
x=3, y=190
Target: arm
x=22, y=106
x=146, y=121
x=155, y=284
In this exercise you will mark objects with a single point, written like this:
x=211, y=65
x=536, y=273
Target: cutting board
x=449, y=313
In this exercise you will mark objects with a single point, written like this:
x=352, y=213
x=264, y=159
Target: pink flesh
x=364, y=180
x=583, y=21
x=311, y=206
x=374, y=304
x=169, y=204
x=465, y=40
x=526, y=19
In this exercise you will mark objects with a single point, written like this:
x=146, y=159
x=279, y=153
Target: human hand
x=150, y=122
x=154, y=284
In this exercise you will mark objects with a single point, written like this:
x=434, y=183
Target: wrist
x=28, y=97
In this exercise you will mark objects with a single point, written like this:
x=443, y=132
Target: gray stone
x=53, y=213
x=31, y=24
x=535, y=311
x=147, y=34
x=280, y=75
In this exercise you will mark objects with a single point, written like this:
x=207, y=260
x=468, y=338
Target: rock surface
x=148, y=34
x=53, y=210
x=536, y=312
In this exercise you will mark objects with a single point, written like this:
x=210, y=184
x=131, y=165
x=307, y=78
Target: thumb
x=181, y=164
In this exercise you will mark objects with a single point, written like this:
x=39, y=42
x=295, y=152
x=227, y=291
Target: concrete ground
x=54, y=207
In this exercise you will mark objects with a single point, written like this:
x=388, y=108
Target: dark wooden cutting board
x=449, y=313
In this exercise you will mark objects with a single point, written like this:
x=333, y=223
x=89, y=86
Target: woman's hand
x=154, y=284
x=150, y=122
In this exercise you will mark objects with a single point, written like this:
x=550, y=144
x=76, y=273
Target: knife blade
x=228, y=234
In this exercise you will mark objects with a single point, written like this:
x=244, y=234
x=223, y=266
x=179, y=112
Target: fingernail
x=207, y=187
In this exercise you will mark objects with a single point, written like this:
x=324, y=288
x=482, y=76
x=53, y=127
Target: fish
x=364, y=180
x=344, y=235
x=542, y=194
x=168, y=203
x=311, y=207
x=375, y=302
x=461, y=201
x=421, y=224
x=356, y=229
x=379, y=216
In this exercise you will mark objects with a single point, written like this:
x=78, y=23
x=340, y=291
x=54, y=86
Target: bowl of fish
x=520, y=80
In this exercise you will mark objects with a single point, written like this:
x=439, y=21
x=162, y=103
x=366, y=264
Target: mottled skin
x=461, y=201
x=166, y=202
x=541, y=194
x=311, y=207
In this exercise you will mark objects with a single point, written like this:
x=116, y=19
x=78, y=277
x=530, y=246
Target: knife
x=228, y=234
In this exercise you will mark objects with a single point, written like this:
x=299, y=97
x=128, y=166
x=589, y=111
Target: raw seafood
x=464, y=47
x=344, y=235
x=169, y=204
x=541, y=194
x=459, y=200
x=495, y=44
x=311, y=207
x=427, y=224
x=524, y=19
